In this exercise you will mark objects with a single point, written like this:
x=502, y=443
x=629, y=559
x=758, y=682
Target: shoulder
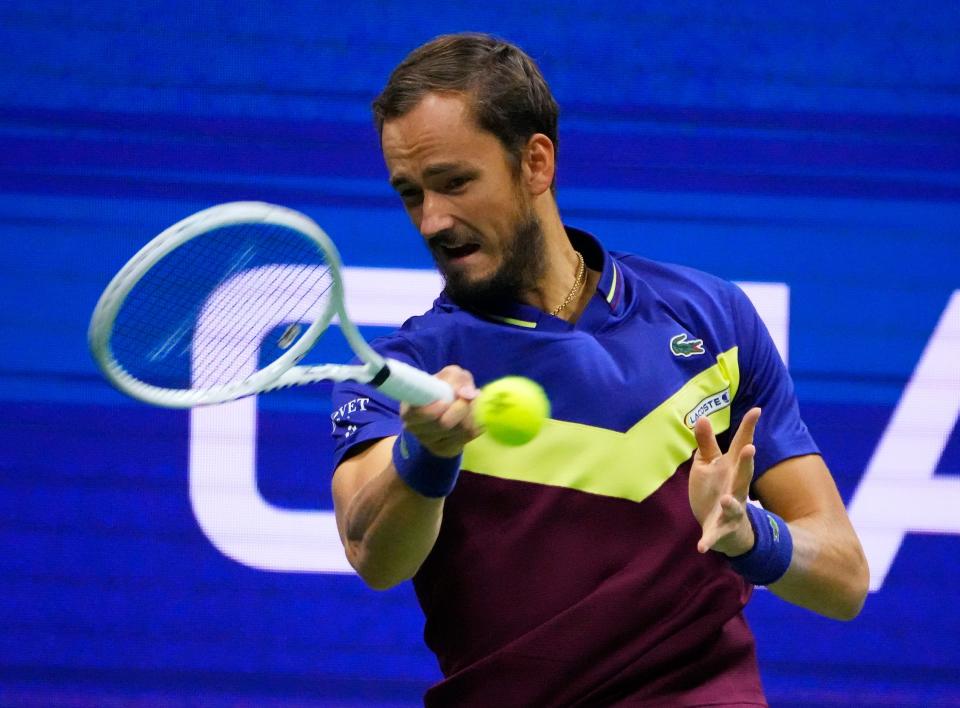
x=680, y=287
x=441, y=315
x=671, y=278
x=420, y=337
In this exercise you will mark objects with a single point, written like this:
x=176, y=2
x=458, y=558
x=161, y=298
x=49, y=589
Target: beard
x=522, y=266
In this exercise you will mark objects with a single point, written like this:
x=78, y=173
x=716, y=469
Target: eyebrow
x=431, y=171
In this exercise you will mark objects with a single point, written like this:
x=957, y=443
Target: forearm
x=828, y=571
x=389, y=529
x=389, y=497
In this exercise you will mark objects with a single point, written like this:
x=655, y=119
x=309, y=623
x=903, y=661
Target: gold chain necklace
x=577, y=282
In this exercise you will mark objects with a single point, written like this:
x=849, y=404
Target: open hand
x=719, y=484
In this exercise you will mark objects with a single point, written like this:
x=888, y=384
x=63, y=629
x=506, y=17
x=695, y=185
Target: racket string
x=204, y=373
x=247, y=326
x=248, y=341
x=260, y=310
x=198, y=317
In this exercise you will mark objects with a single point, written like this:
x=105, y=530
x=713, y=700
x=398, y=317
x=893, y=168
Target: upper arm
x=781, y=437
x=828, y=570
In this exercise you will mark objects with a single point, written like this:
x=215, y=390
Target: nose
x=435, y=215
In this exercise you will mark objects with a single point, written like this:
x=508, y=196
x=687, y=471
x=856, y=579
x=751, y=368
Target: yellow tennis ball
x=512, y=409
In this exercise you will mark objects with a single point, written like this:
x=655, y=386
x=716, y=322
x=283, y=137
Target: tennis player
x=608, y=561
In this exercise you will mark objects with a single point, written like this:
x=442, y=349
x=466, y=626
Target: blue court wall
x=811, y=144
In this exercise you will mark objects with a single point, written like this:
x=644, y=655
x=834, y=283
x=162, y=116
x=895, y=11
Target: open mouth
x=456, y=253
x=452, y=253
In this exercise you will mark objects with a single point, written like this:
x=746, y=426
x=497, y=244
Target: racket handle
x=409, y=384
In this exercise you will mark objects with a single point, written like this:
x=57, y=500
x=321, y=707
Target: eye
x=455, y=183
x=411, y=197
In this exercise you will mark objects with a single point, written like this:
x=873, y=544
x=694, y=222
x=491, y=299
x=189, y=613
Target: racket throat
x=300, y=375
x=381, y=376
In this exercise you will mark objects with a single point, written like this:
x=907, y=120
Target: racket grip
x=411, y=385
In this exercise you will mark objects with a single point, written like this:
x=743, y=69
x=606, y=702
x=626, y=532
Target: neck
x=559, y=281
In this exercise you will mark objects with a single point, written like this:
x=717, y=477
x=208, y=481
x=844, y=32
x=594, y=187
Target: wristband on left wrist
x=772, y=550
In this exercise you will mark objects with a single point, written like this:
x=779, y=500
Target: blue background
x=815, y=144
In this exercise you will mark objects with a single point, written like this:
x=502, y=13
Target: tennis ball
x=512, y=409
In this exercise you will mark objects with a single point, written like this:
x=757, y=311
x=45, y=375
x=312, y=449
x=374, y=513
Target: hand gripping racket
x=225, y=304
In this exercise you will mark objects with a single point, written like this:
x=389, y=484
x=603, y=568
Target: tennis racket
x=225, y=303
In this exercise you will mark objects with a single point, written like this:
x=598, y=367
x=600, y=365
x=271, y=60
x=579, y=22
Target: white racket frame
x=395, y=378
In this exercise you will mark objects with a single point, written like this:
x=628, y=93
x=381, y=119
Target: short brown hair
x=509, y=96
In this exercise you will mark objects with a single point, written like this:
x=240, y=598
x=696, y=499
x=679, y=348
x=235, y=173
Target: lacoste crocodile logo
x=775, y=527
x=681, y=346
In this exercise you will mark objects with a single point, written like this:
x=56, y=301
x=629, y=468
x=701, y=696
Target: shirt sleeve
x=765, y=382
x=362, y=414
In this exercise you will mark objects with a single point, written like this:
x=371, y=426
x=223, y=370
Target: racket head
x=184, y=323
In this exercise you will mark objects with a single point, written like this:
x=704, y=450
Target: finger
x=460, y=380
x=732, y=509
x=442, y=441
x=723, y=521
x=458, y=414
x=437, y=422
x=445, y=426
x=744, y=434
x=707, y=539
x=745, y=467
x=423, y=415
x=706, y=441
x=462, y=383
x=467, y=392
x=711, y=534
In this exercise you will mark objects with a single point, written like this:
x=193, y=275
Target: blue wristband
x=772, y=550
x=423, y=471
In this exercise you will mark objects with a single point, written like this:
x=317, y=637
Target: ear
x=539, y=163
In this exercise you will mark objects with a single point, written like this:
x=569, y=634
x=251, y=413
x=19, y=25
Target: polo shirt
x=566, y=571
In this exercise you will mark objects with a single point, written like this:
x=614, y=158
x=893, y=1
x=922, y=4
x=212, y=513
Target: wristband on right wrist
x=421, y=470
x=772, y=550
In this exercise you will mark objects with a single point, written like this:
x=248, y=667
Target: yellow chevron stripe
x=630, y=465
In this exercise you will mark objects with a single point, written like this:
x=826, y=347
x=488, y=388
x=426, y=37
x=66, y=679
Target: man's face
x=465, y=197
